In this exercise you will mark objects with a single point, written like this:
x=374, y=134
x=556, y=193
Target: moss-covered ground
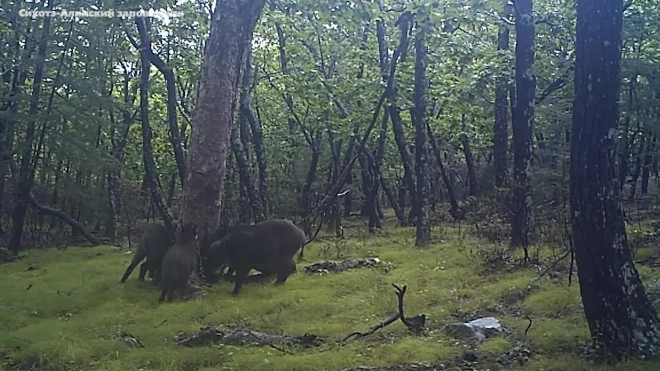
x=62, y=310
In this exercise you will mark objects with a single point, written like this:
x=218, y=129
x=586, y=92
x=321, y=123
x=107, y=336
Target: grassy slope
x=69, y=318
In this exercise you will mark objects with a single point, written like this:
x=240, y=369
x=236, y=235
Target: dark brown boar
x=211, y=265
x=152, y=246
x=268, y=246
x=179, y=263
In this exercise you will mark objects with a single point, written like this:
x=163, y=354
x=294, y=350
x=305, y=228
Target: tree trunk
x=455, y=210
x=245, y=179
x=150, y=172
x=306, y=200
x=170, y=83
x=621, y=318
x=624, y=152
x=637, y=170
x=257, y=138
x=233, y=24
x=423, y=224
x=648, y=162
x=523, y=124
x=500, y=134
x=26, y=171
x=469, y=161
x=395, y=115
x=365, y=174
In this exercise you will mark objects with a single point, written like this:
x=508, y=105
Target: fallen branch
x=414, y=324
x=328, y=266
x=214, y=335
x=393, y=318
x=75, y=226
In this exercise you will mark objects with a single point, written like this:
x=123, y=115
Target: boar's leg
x=241, y=276
x=162, y=295
x=144, y=268
x=137, y=258
x=157, y=275
x=286, y=268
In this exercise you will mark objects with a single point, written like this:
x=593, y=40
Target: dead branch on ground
x=415, y=324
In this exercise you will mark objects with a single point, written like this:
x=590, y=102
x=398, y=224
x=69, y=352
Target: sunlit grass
x=65, y=311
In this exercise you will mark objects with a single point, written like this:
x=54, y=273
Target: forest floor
x=62, y=310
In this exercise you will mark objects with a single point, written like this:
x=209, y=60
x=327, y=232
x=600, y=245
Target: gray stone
x=478, y=329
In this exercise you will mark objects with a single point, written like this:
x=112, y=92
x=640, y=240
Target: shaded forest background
x=73, y=138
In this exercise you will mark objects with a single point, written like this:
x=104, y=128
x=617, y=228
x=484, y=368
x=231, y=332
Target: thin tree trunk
x=469, y=161
x=522, y=124
x=500, y=132
x=648, y=163
x=151, y=175
x=315, y=146
x=637, y=170
x=624, y=153
x=455, y=210
x=257, y=140
x=170, y=84
x=423, y=224
x=245, y=179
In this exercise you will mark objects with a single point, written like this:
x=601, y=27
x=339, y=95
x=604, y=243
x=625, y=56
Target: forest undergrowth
x=63, y=310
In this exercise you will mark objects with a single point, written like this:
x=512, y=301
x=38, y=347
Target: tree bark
x=648, y=163
x=455, y=210
x=469, y=161
x=637, y=170
x=257, y=139
x=523, y=123
x=170, y=83
x=624, y=152
x=233, y=24
x=245, y=180
x=397, y=122
x=423, y=224
x=150, y=172
x=621, y=319
x=500, y=134
x=315, y=146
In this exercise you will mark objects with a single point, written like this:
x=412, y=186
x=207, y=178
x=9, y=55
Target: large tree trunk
x=422, y=225
x=233, y=23
x=622, y=320
x=26, y=171
x=523, y=123
x=500, y=134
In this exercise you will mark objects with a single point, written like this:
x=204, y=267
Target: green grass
x=70, y=316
